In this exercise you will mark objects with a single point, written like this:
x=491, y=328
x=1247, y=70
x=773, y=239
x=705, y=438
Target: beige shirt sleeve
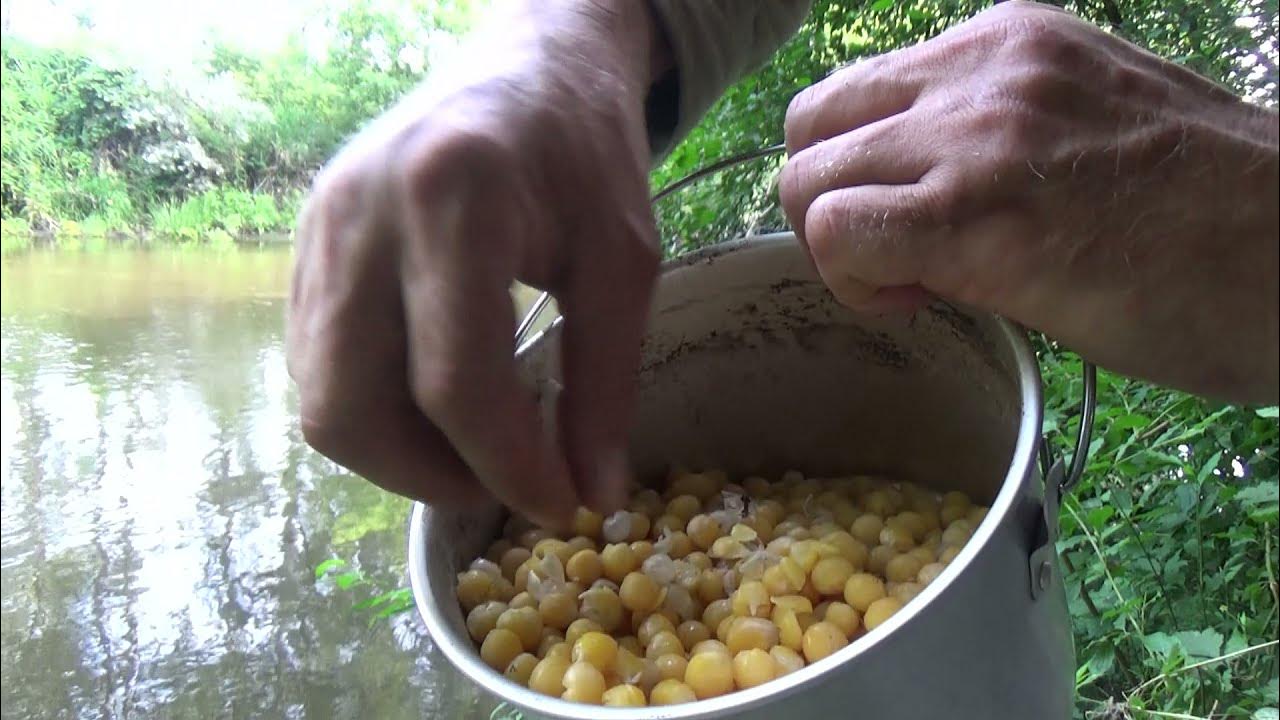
x=714, y=43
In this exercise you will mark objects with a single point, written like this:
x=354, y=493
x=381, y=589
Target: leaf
x=880, y=5
x=1098, y=517
x=1209, y=466
x=1160, y=644
x=1185, y=497
x=1201, y=644
x=1130, y=422
x=1101, y=662
x=1262, y=493
x=1122, y=500
x=1268, y=412
x=377, y=600
x=328, y=565
x=1266, y=714
x=349, y=579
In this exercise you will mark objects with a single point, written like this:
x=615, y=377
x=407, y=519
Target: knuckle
x=1043, y=41
x=934, y=205
x=334, y=194
x=792, y=184
x=798, y=122
x=1005, y=118
x=825, y=223
x=439, y=389
x=322, y=431
x=1127, y=81
x=450, y=158
x=1020, y=131
x=1130, y=82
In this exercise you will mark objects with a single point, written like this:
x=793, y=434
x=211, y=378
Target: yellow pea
x=844, y=617
x=785, y=660
x=548, y=676
x=752, y=667
x=671, y=692
x=623, y=696
x=822, y=639
x=709, y=675
x=585, y=566
x=671, y=666
x=862, y=589
x=583, y=683
x=521, y=668
x=499, y=648
x=596, y=648
x=830, y=574
x=880, y=611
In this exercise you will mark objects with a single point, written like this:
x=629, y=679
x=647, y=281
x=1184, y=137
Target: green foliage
x=1170, y=549
x=84, y=138
x=308, y=106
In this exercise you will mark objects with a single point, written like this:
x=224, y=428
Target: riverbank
x=216, y=215
x=12, y=242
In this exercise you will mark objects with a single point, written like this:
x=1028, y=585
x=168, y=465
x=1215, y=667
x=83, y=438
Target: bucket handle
x=1059, y=478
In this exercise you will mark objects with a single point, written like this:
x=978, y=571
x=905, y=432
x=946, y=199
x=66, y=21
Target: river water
x=163, y=518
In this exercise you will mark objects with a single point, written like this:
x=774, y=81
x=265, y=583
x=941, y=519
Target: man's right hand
x=531, y=167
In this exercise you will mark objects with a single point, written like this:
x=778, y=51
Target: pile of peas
x=708, y=587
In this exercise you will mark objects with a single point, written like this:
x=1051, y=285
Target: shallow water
x=162, y=516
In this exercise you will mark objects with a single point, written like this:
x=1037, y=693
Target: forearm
x=1266, y=223
x=674, y=56
x=1237, y=197
x=712, y=45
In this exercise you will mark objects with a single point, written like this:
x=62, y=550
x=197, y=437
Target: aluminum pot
x=751, y=366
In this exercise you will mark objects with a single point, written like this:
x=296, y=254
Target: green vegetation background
x=1170, y=543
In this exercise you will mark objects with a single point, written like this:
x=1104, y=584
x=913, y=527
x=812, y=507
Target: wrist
x=622, y=31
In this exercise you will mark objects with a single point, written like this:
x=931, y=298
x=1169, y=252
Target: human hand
x=530, y=166
x=1030, y=164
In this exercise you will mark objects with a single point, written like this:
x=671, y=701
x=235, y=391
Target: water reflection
x=162, y=516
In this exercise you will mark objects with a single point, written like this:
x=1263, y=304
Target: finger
x=461, y=348
x=399, y=450
x=857, y=95
x=887, y=152
x=344, y=349
x=876, y=237
x=606, y=308
x=870, y=237
x=897, y=300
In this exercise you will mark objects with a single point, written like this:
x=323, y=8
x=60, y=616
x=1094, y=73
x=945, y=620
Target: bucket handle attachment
x=1059, y=478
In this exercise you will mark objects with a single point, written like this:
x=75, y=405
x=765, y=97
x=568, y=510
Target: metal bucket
x=751, y=366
